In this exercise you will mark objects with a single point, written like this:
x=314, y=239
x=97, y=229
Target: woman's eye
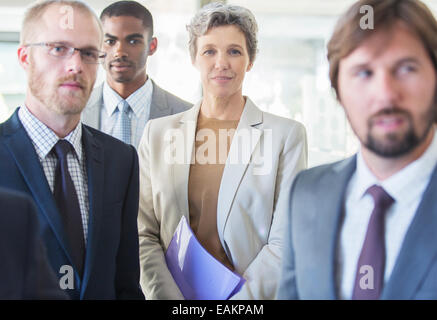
x=235, y=52
x=208, y=52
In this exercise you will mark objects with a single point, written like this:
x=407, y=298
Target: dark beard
x=394, y=146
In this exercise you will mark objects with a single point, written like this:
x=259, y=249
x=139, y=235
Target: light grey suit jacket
x=251, y=204
x=313, y=226
x=163, y=104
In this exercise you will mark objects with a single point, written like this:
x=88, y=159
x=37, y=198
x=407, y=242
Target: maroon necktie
x=371, y=264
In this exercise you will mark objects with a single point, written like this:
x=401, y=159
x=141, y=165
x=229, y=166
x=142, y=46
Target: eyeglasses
x=61, y=50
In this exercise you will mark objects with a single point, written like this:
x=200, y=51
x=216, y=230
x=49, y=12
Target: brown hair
x=36, y=11
x=348, y=34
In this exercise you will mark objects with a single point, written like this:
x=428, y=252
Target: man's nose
x=387, y=90
x=74, y=62
x=120, y=51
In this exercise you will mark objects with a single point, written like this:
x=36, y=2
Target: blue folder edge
x=197, y=273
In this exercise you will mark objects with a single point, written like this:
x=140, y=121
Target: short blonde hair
x=34, y=13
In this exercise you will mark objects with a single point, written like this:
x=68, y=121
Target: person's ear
x=23, y=56
x=249, y=66
x=153, y=45
x=194, y=62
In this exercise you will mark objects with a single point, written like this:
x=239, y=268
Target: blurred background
x=289, y=77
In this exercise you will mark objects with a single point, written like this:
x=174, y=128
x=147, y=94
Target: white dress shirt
x=139, y=101
x=43, y=140
x=406, y=188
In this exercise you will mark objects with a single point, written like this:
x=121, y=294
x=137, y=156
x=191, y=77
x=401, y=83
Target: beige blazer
x=266, y=153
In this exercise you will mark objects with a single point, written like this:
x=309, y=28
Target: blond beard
x=70, y=104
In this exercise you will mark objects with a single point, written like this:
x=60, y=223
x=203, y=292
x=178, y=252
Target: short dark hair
x=348, y=34
x=130, y=9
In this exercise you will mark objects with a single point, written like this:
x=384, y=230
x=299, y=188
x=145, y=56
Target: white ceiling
x=174, y=5
x=11, y=10
x=307, y=7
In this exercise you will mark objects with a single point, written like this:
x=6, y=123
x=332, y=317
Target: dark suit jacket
x=24, y=269
x=310, y=243
x=111, y=269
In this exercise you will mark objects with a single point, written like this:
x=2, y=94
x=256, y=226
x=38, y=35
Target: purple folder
x=197, y=273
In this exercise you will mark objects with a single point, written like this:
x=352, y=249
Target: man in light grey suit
x=365, y=227
x=123, y=104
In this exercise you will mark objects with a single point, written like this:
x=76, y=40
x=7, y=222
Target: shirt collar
x=407, y=184
x=364, y=178
x=45, y=138
x=136, y=100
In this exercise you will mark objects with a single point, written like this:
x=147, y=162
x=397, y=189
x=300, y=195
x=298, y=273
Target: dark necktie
x=371, y=264
x=68, y=205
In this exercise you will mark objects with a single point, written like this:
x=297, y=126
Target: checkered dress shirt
x=139, y=101
x=43, y=140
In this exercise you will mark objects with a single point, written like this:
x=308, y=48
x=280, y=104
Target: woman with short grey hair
x=217, y=14
x=224, y=166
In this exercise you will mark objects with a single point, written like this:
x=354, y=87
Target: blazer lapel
x=94, y=167
x=181, y=171
x=237, y=161
x=158, y=106
x=329, y=215
x=23, y=152
x=418, y=249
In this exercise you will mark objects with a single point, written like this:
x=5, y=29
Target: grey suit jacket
x=310, y=243
x=163, y=104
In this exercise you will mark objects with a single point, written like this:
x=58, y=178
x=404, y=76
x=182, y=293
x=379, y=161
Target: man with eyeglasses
x=84, y=182
x=62, y=50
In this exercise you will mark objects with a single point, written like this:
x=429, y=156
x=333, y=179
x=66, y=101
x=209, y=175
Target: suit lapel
x=418, y=248
x=158, y=106
x=94, y=166
x=234, y=170
x=181, y=171
x=330, y=207
x=23, y=152
x=91, y=114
